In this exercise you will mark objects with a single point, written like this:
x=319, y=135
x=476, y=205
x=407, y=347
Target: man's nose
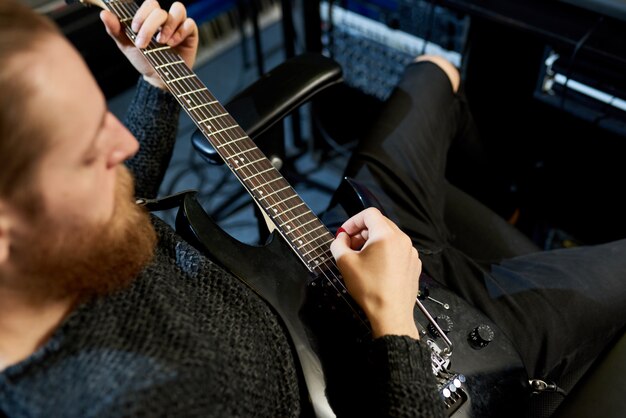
x=125, y=147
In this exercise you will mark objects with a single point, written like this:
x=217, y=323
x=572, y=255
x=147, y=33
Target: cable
x=572, y=58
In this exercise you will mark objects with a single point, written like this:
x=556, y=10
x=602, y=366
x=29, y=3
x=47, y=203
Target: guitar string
x=331, y=271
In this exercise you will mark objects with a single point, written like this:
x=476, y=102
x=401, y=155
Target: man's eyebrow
x=92, y=144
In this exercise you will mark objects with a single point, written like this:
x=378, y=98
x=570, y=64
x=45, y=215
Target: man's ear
x=4, y=233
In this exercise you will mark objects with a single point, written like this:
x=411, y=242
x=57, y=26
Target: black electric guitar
x=297, y=276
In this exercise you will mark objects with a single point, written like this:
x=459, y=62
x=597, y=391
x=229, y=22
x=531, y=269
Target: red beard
x=88, y=260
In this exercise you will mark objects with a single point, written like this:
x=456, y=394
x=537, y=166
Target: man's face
x=88, y=235
x=87, y=143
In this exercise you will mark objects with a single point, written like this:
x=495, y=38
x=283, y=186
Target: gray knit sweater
x=186, y=338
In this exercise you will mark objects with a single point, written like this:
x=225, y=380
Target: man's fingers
x=185, y=31
x=358, y=222
x=150, y=26
x=358, y=241
x=176, y=18
x=341, y=245
x=111, y=24
x=142, y=14
x=370, y=223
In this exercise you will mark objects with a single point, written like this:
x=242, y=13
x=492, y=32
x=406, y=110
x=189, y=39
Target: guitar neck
x=294, y=220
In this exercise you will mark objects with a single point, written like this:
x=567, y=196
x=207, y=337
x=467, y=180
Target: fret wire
x=259, y=173
x=214, y=112
x=211, y=118
x=322, y=234
x=246, y=150
x=193, y=92
x=249, y=163
x=226, y=122
x=292, y=219
x=228, y=143
x=311, y=231
x=180, y=78
x=304, y=224
x=162, y=55
x=322, y=251
x=273, y=193
x=231, y=139
x=325, y=263
x=318, y=247
x=199, y=96
x=150, y=51
x=211, y=111
x=254, y=152
x=290, y=208
x=261, y=177
x=304, y=242
x=220, y=123
x=192, y=99
x=165, y=61
x=264, y=184
x=167, y=55
x=244, y=170
x=282, y=201
x=203, y=105
x=293, y=207
x=158, y=67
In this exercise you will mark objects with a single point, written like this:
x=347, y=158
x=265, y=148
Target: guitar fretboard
x=295, y=221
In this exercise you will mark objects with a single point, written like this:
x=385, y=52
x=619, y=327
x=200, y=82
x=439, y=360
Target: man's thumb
x=341, y=244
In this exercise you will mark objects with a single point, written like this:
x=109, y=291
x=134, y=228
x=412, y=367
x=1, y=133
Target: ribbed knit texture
x=153, y=118
x=399, y=364
x=177, y=343
x=187, y=339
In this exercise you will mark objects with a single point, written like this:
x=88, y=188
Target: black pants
x=560, y=308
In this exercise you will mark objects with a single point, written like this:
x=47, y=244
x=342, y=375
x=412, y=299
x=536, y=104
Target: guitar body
x=319, y=324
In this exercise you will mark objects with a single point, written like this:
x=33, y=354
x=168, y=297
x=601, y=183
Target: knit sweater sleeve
x=153, y=119
x=404, y=385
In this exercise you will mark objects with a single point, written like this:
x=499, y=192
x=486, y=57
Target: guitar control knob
x=480, y=337
x=444, y=322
